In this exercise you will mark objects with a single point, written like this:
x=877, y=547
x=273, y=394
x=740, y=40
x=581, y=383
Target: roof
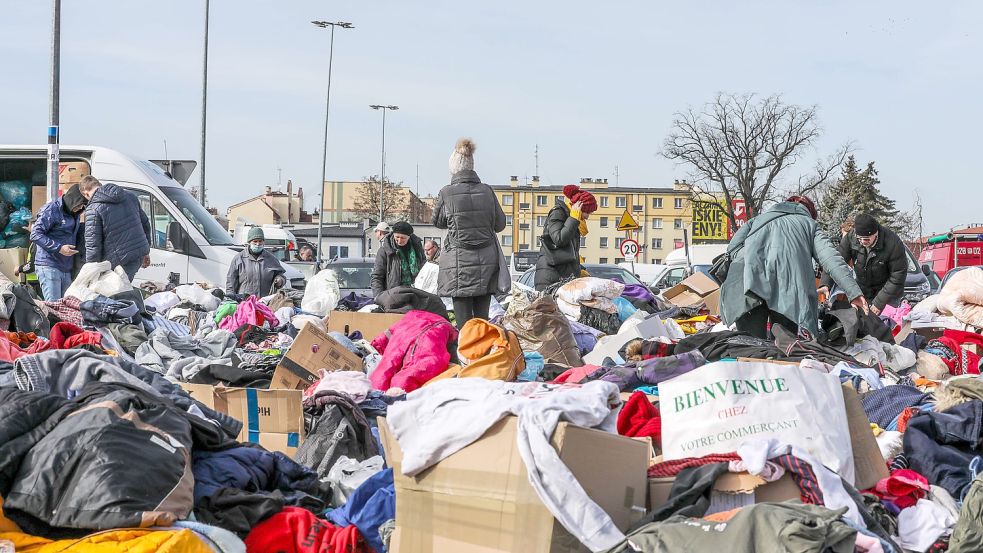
x=615, y=190
x=333, y=231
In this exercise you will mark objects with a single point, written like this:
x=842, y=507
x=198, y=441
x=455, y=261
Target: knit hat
x=255, y=233
x=462, y=157
x=865, y=225
x=403, y=228
x=575, y=194
x=807, y=203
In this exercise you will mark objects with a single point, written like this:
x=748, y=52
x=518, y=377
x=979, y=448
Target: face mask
x=255, y=250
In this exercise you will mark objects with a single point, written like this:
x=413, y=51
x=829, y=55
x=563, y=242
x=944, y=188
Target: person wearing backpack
x=771, y=276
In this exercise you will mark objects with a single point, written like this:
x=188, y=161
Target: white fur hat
x=462, y=156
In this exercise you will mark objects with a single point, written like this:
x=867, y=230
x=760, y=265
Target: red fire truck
x=955, y=249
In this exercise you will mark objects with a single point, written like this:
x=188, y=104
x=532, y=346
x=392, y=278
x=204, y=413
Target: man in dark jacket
x=116, y=228
x=55, y=233
x=398, y=260
x=879, y=261
x=255, y=271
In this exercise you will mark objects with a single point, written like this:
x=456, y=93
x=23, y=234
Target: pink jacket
x=414, y=350
x=250, y=312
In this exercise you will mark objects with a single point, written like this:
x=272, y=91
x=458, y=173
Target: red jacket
x=413, y=351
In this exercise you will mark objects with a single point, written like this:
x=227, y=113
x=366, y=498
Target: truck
x=954, y=249
x=189, y=245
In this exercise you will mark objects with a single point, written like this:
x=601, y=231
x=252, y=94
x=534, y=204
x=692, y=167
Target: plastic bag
x=17, y=223
x=198, y=296
x=534, y=365
x=542, y=328
x=17, y=192
x=587, y=288
x=18, y=241
x=426, y=280
x=348, y=474
x=97, y=279
x=322, y=293
x=608, y=323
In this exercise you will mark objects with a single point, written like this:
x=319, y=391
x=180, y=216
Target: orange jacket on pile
x=488, y=351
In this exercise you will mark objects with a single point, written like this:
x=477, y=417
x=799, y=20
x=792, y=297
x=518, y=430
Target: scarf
x=578, y=216
x=408, y=263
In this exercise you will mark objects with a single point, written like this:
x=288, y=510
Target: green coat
x=775, y=265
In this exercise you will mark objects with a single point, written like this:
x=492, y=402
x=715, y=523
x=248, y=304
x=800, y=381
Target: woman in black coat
x=559, y=254
x=399, y=259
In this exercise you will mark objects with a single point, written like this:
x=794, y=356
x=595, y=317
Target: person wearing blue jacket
x=116, y=228
x=55, y=232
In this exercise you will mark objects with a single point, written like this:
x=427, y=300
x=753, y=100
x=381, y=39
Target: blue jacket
x=116, y=228
x=53, y=229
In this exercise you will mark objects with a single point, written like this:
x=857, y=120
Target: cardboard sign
x=369, y=324
x=697, y=289
x=479, y=500
x=10, y=260
x=312, y=351
x=720, y=406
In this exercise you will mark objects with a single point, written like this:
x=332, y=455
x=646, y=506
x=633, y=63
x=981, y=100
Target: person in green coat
x=771, y=276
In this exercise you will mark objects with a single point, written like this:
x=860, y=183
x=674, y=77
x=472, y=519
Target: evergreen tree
x=855, y=192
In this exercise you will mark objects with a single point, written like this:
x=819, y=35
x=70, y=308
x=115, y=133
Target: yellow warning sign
x=627, y=222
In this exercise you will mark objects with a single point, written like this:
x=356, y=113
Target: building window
x=508, y=220
x=604, y=241
x=507, y=241
x=523, y=205
x=603, y=261
x=620, y=201
x=540, y=200
x=604, y=201
x=539, y=241
x=604, y=222
x=677, y=224
x=656, y=223
x=658, y=261
x=540, y=220
x=507, y=199
x=656, y=203
x=583, y=241
x=619, y=260
x=637, y=207
x=523, y=226
x=677, y=243
x=337, y=251
x=678, y=203
x=524, y=247
x=618, y=242
x=656, y=243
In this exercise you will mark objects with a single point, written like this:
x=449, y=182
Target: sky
x=593, y=84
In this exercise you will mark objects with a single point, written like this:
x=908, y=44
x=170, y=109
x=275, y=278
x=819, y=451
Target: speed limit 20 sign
x=629, y=249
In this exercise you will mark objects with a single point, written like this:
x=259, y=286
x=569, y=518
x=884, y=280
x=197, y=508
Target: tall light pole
x=327, y=112
x=54, y=100
x=382, y=173
x=204, y=110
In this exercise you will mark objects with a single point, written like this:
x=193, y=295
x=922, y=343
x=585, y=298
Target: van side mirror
x=926, y=270
x=177, y=238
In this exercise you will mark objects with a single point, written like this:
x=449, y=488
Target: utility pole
x=537, y=159
x=616, y=176
x=54, y=100
x=382, y=172
x=204, y=111
x=327, y=112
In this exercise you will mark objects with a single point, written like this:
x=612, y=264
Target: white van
x=701, y=258
x=188, y=241
x=279, y=241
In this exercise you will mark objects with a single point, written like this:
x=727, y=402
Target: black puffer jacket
x=113, y=457
x=881, y=271
x=471, y=261
x=387, y=273
x=116, y=228
x=559, y=255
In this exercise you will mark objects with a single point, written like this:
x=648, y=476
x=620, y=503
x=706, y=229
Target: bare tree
x=739, y=147
x=366, y=203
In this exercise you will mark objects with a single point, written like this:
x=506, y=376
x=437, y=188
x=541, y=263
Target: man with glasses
x=878, y=259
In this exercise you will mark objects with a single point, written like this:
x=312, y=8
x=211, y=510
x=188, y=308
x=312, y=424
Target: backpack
x=486, y=350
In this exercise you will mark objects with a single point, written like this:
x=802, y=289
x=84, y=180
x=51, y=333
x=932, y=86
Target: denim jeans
x=54, y=283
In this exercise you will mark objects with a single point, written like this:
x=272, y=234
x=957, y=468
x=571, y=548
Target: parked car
x=528, y=278
x=354, y=274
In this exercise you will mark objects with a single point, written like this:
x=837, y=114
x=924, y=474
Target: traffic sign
x=629, y=249
x=627, y=222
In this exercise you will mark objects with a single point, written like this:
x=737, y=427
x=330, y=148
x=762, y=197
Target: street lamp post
x=204, y=110
x=382, y=173
x=54, y=100
x=327, y=112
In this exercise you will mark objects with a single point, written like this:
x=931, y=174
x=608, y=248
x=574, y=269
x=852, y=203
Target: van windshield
x=186, y=204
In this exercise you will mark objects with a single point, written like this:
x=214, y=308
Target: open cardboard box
x=479, y=499
x=696, y=290
x=273, y=419
x=734, y=490
x=312, y=351
x=369, y=324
